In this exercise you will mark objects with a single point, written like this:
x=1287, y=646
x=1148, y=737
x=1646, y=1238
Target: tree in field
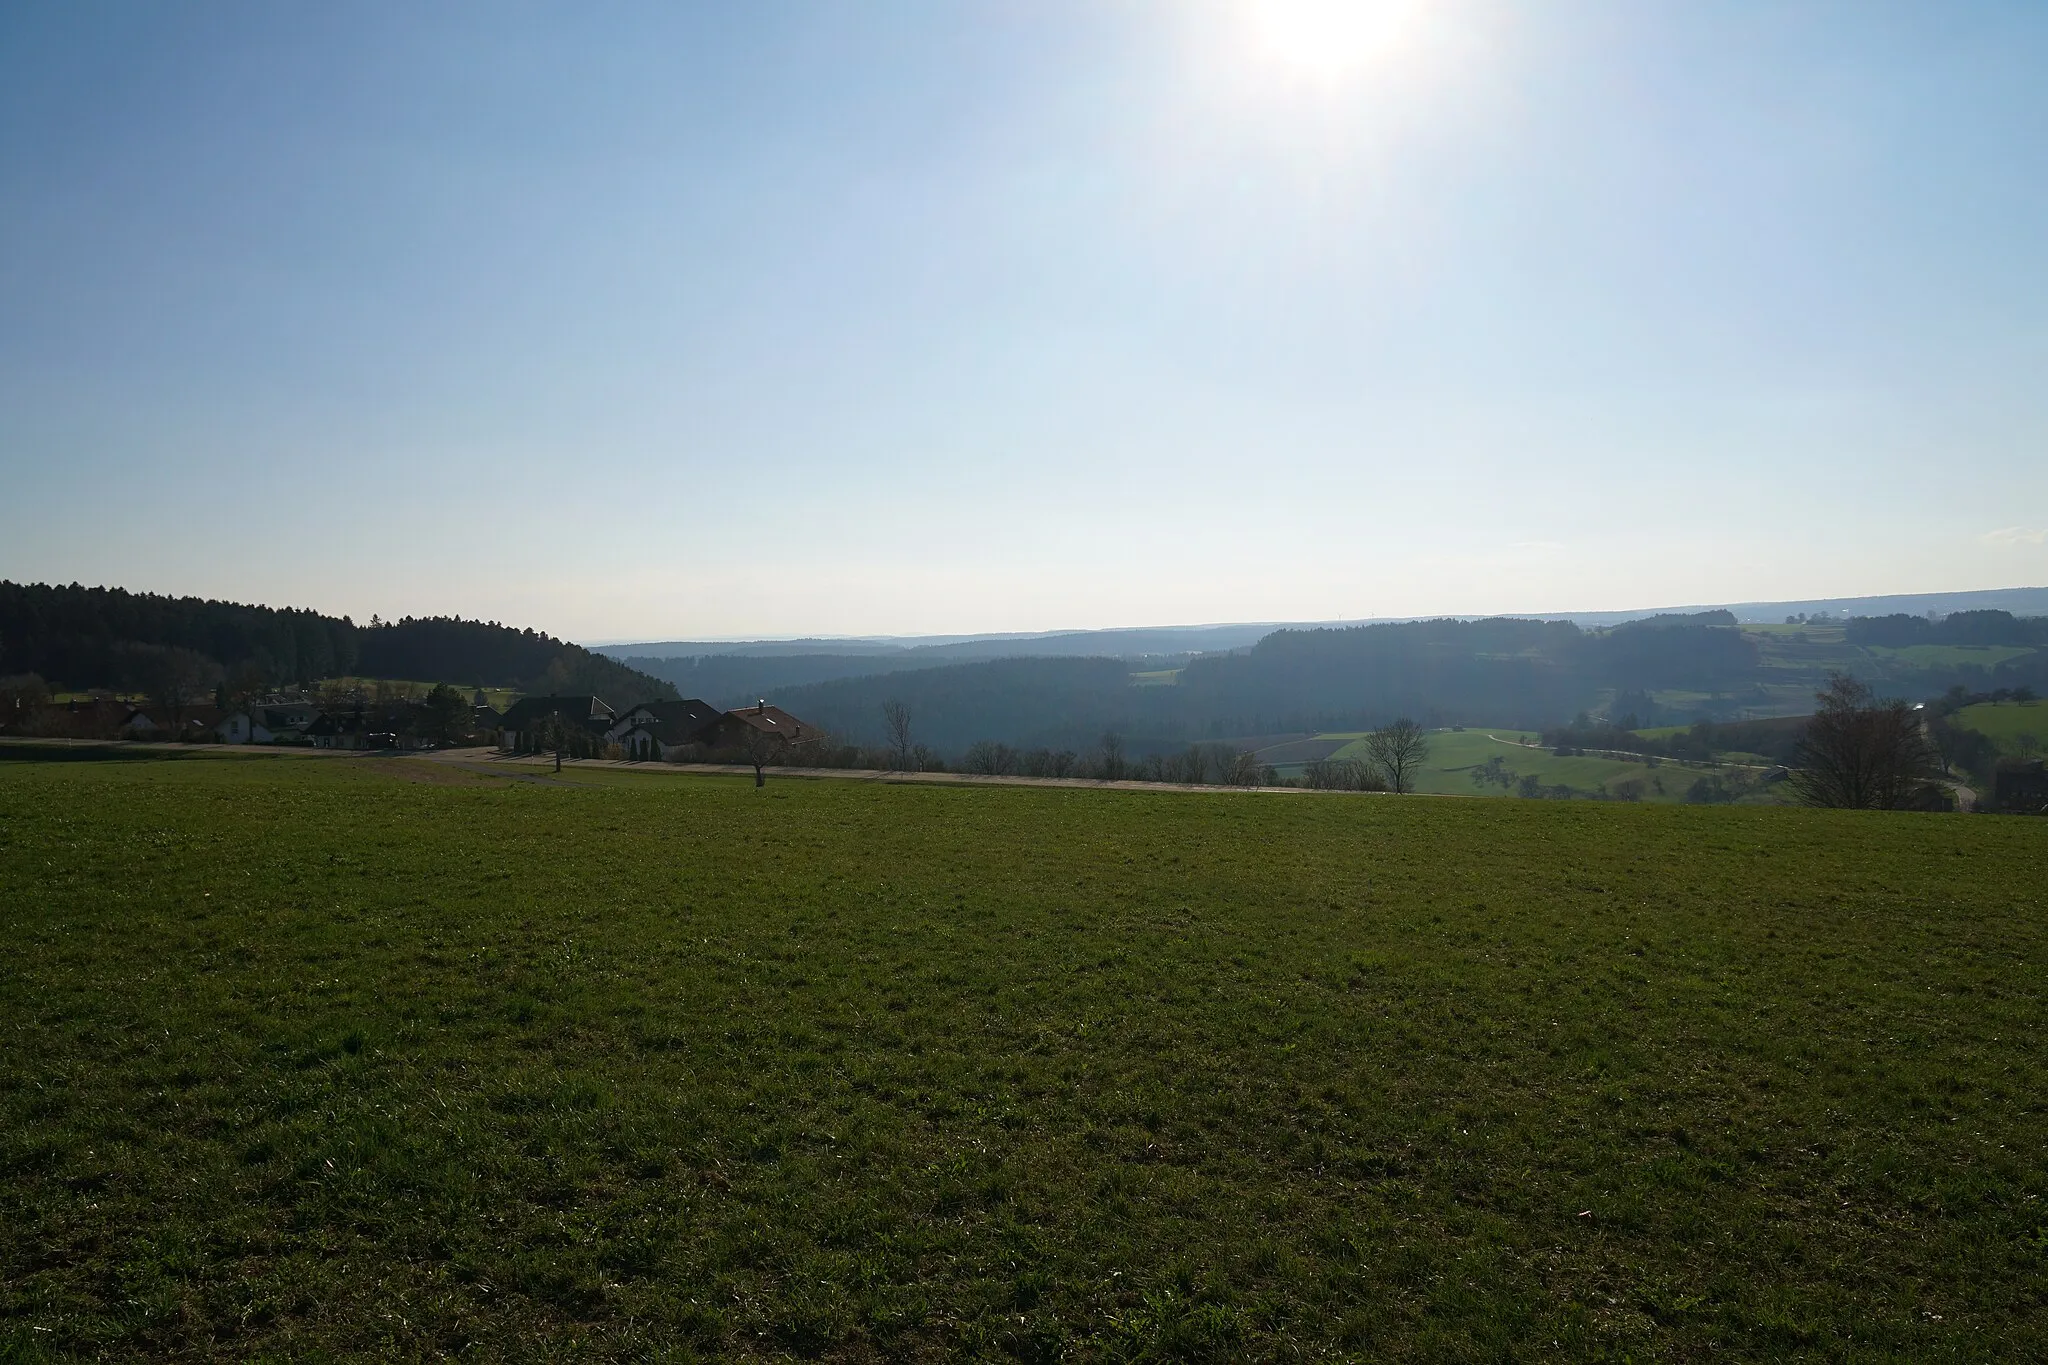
x=1494, y=772
x=760, y=748
x=896, y=719
x=1398, y=750
x=1861, y=753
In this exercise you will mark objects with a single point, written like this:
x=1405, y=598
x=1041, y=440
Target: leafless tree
x=1862, y=753
x=1341, y=775
x=178, y=678
x=1398, y=751
x=990, y=758
x=896, y=718
x=760, y=748
x=1112, y=762
x=1240, y=769
x=1190, y=766
x=21, y=696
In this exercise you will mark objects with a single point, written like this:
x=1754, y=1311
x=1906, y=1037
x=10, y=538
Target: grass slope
x=2005, y=722
x=335, y=1058
x=1453, y=754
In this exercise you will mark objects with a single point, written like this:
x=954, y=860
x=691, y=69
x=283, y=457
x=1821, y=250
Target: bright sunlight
x=1329, y=40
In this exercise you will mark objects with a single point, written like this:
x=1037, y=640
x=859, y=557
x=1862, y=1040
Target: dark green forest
x=76, y=637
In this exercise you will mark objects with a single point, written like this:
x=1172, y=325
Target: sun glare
x=1328, y=40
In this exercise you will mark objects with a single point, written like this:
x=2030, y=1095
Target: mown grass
x=311, y=1060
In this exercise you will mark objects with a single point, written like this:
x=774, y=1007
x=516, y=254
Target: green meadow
x=320, y=1059
x=1455, y=754
x=2006, y=721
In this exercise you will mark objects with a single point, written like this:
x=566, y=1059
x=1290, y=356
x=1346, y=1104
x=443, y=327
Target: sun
x=1329, y=40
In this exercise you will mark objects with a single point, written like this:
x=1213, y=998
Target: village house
x=740, y=729
x=657, y=729
x=337, y=730
x=279, y=723
x=526, y=714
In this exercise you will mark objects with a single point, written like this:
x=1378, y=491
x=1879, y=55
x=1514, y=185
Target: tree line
x=78, y=638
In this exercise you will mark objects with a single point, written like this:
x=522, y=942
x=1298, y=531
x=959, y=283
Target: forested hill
x=1523, y=674
x=79, y=637
x=1497, y=672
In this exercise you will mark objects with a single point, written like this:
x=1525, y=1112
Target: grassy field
x=1951, y=656
x=499, y=697
x=2007, y=721
x=1453, y=754
x=311, y=1059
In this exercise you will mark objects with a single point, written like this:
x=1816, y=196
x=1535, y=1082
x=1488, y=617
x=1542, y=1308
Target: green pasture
x=321, y=1059
x=2006, y=721
x=1986, y=657
x=1156, y=677
x=1453, y=755
x=499, y=697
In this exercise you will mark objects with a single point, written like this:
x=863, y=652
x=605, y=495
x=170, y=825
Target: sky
x=702, y=321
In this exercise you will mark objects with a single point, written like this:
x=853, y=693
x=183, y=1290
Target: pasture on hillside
x=322, y=1058
x=2006, y=721
x=1454, y=755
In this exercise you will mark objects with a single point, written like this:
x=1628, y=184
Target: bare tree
x=1240, y=769
x=1398, y=751
x=896, y=718
x=760, y=748
x=21, y=696
x=1112, y=769
x=178, y=678
x=1861, y=752
x=989, y=758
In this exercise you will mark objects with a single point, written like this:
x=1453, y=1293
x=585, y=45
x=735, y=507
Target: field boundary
x=490, y=761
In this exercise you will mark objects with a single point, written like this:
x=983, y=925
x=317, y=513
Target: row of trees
x=81, y=638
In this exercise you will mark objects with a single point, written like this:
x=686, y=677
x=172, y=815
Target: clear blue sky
x=751, y=319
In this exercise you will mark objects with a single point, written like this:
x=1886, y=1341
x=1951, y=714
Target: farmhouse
x=526, y=715
x=337, y=730
x=751, y=724
x=657, y=729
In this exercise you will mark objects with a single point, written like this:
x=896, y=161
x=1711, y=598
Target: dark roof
x=679, y=718
x=773, y=720
x=526, y=710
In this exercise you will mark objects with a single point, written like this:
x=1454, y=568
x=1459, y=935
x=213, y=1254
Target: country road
x=493, y=763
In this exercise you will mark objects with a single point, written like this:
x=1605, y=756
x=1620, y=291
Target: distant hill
x=1523, y=674
x=734, y=671
x=1121, y=643
x=77, y=637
